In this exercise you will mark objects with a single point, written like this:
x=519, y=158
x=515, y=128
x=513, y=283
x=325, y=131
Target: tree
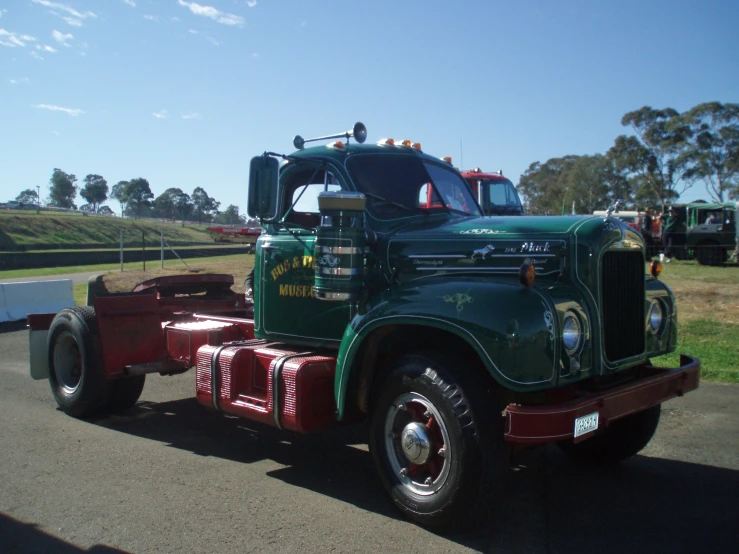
x=118, y=192
x=231, y=216
x=544, y=186
x=656, y=161
x=593, y=184
x=204, y=205
x=63, y=189
x=95, y=191
x=164, y=204
x=182, y=203
x=28, y=196
x=137, y=194
x=711, y=153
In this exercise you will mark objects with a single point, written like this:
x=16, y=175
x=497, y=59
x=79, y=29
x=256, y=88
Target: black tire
x=710, y=254
x=125, y=393
x=76, y=375
x=622, y=439
x=453, y=411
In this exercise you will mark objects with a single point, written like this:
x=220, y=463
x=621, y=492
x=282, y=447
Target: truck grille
x=622, y=293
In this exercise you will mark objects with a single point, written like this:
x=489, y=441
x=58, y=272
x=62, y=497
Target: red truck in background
x=496, y=194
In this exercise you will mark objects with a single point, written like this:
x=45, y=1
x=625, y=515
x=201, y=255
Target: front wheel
x=622, y=439
x=437, y=444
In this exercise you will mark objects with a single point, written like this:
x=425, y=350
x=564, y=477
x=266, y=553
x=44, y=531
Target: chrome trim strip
x=475, y=269
x=436, y=256
x=337, y=271
x=334, y=295
x=340, y=250
x=276, y=372
x=214, y=375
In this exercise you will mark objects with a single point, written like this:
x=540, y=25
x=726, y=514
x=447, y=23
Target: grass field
x=25, y=228
x=708, y=304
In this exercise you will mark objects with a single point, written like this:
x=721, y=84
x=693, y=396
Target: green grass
x=713, y=343
x=80, y=294
x=49, y=229
x=102, y=268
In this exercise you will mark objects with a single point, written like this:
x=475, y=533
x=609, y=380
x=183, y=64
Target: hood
x=496, y=245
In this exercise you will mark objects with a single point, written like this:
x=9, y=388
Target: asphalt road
x=77, y=278
x=174, y=477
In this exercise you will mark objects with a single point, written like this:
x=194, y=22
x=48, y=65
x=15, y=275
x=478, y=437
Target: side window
x=428, y=198
x=301, y=198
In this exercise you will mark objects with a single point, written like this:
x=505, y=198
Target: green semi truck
x=706, y=231
x=383, y=293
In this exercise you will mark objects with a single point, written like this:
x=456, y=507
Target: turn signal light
x=655, y=268
x=527, y=275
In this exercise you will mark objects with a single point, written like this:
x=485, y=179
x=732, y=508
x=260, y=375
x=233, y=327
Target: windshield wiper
x=396, y=204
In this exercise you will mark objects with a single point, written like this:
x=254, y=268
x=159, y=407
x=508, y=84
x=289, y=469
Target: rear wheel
x=76, y=374
x=437, y=443
x=125, y=393
x=622, y=439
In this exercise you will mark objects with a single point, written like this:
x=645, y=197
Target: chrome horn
x=359, y=132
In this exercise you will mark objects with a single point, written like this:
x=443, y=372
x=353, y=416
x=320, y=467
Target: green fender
x=513, y=329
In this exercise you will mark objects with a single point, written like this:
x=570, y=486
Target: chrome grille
x=622, y=303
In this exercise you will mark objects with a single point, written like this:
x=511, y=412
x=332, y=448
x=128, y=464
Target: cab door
x=287, y=309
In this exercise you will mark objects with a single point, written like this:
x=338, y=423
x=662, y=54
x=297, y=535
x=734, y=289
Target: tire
x=76, y=375
x=125, y=393
x=463, y=456
x=621, y=440
x=710, y=254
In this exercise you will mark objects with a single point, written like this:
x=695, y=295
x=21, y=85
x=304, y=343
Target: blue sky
x=185, y=92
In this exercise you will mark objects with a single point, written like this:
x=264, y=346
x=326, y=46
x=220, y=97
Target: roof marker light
x=447, y=159
x=337, y=144
x=386, y=142
x=406, y=142
x=417, y=146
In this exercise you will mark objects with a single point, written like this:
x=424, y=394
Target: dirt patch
x=698, y=301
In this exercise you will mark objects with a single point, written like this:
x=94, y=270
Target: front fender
x=512, y=328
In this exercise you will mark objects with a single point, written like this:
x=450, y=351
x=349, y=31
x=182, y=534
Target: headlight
x=655, y=316
x=571, y=333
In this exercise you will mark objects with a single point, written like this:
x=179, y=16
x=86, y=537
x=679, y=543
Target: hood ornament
x=612, y=210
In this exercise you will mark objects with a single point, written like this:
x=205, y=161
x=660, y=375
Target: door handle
x=268, y=248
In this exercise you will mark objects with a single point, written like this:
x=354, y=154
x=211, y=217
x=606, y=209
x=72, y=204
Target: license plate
x=585, y=424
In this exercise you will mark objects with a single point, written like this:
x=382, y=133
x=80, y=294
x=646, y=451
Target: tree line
x=668, y=153
x=136, y=199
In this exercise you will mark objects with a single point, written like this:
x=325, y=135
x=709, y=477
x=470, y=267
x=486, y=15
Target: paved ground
x=77, y=278
x=174, y=477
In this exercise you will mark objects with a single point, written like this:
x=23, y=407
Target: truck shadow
x=552, y=503
x=17, y=536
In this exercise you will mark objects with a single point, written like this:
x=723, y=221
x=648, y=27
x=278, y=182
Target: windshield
x=397, y=185
x=503, y=197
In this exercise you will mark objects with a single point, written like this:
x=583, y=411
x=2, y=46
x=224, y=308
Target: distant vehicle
x=496, y=194
x=244, y=235
x=711, y=232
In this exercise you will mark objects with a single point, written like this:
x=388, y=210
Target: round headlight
x=571, y=333
x=655, y=316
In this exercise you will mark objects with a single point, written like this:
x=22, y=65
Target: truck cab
x=496, y=194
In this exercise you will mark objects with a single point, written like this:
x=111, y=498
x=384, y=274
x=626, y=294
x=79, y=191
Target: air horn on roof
x=359, y=132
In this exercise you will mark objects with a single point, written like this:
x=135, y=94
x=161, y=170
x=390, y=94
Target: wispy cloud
x=35, y=55
x=152, y=18
x=214, y=14
x=191, y=115
x=161, y=114
x=45, y=48
x=21, y=81
x=74, y=112
x=130, y=3
x=62, y=38
x=251, y=3
x=76, y=18
x=14, y=40
x=214, y=42
x=55, y=133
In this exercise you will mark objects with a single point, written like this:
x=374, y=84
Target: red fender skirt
x=556, y=422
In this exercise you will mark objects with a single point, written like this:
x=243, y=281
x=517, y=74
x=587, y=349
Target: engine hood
x=498, y=245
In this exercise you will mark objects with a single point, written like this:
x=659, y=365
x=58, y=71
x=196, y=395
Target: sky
x=184, y=93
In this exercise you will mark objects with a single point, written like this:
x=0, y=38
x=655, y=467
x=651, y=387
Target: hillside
x=24, y=230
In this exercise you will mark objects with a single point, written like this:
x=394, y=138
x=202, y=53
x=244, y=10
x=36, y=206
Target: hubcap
x=417, y=444
x=67, y=362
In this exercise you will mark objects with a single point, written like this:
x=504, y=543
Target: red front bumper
x=556, y=422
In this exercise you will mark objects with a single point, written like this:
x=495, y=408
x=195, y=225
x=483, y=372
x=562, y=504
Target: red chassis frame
x=160, y=325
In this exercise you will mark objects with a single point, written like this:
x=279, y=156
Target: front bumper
x=556, y=422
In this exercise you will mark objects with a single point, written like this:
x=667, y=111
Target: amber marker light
x=337, y=144
x=417, y=145
x=447, y=159
x=406, y=142
x=655, y=268
x=527, y=275
x=387, y=142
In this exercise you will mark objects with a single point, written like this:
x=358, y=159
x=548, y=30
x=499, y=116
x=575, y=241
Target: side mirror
x=262, y=202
